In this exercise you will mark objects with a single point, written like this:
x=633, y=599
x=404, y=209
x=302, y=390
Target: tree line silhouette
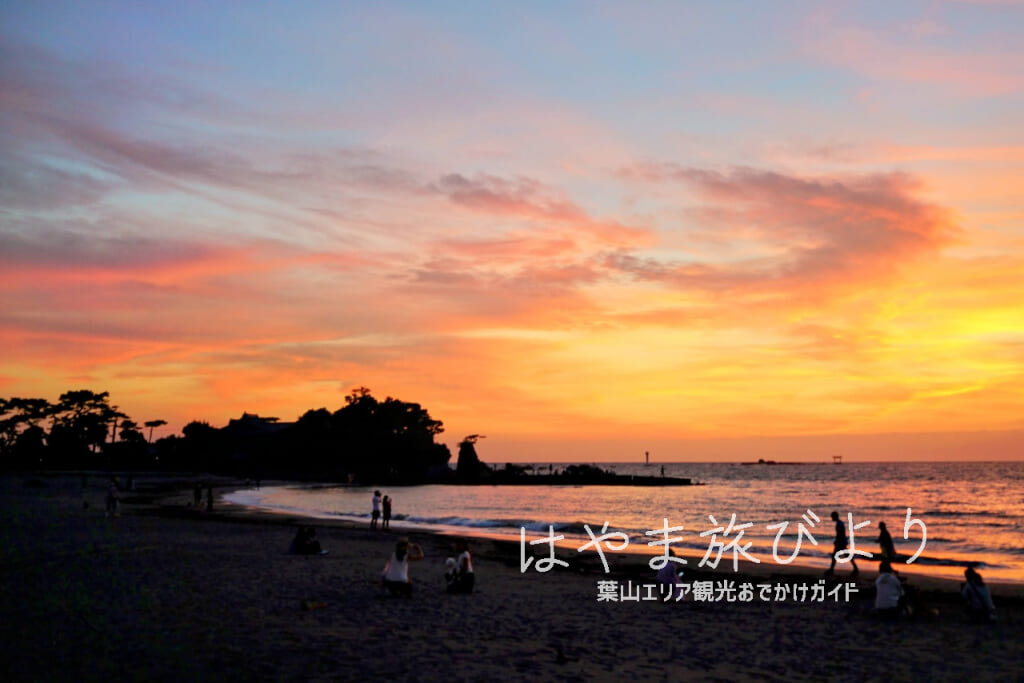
x=366, y=440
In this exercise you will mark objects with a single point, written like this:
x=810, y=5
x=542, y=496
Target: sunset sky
x=585, y=230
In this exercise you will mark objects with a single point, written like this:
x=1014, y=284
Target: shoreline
x=811, y=566
x=620, y=562
x=168, y=592
x=626, y=561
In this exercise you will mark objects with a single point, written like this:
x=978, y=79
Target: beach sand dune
x=165, y=592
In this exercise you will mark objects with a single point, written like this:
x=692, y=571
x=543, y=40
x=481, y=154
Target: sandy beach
x=167, y=592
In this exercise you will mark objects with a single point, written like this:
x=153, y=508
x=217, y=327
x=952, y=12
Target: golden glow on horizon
x=935, y=357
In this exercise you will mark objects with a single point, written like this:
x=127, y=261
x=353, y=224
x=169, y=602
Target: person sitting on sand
x=298, y=542
x=977, y=599
x=306, y=543
x=888, y=550
x=451, y=572
x=464, y=578
x=396, y=572
x=914, y=604
x=888, y=592
x=668, y=578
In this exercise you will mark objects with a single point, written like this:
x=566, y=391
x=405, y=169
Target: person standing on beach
x=375, y=513
x=113, y=499
x=840, y=544
x=888, y=550
x=386, y=519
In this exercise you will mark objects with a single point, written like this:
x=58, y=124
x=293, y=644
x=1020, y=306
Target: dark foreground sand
x=168, y=593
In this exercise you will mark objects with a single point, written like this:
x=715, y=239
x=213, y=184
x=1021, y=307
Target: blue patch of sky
x=575, y=53
x=611, y=61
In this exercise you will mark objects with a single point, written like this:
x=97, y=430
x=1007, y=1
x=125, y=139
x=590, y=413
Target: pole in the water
x=647, y=457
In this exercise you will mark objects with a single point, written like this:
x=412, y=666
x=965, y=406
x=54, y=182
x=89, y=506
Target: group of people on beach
x=887, y=550
x=894, y=597
x=459, y=576
x=380, y=505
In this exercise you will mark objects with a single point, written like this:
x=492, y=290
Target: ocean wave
x=988, y=514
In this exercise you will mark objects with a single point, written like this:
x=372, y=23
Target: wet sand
x=166, y=592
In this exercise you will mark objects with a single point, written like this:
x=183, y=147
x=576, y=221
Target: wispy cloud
x=981, y=70
x=528, y=199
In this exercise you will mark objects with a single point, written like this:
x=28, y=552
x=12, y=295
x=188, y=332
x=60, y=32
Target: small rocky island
x=470, y=470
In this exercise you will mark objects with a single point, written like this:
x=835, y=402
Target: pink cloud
x=529, y=200
x=980, y=72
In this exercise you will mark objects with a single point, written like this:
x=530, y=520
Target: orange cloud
x=830, y=232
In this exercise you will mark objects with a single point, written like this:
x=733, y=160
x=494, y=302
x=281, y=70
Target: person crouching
x=396, y=572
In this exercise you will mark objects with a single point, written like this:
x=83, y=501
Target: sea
x=948, y=514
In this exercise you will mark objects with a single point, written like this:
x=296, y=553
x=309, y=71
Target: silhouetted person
x=977, y=598
x=375, y=513
x=386, y=519
x=209, y=498
x=841, y=542
x=888, y=551
x=113, y=498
